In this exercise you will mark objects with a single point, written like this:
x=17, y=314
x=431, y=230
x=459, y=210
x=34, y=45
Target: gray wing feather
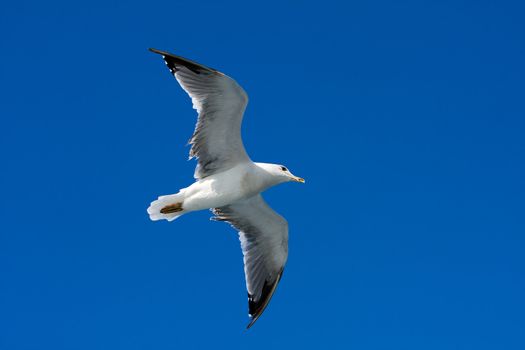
x=264, y=240
x=220, y=102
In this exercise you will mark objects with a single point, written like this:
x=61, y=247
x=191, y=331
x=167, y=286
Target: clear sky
x=406, y=118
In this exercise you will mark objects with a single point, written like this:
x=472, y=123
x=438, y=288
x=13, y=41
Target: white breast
x=222, y=189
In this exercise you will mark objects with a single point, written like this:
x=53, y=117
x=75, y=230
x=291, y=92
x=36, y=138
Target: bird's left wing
x=264, y=241
x=220, y=102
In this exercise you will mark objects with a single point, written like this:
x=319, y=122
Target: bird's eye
x=284, y=168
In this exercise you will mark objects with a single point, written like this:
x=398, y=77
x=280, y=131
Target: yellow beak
x=298, y=179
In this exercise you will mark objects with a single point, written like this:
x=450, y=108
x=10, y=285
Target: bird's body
x=227, y=181
x=243, y=181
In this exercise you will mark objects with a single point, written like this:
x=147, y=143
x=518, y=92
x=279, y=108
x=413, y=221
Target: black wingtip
x=157, y=51
x=252, y=322
x=256, y=308
x=173, y=61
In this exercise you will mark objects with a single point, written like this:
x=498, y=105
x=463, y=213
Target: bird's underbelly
x=219, y=190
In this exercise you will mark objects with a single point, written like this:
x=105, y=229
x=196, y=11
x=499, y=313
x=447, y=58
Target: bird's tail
x=167, y=207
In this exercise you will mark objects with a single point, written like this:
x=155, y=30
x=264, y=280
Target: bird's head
x=285, y=174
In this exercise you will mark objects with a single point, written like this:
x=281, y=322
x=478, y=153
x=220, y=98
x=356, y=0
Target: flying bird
x=227, y=181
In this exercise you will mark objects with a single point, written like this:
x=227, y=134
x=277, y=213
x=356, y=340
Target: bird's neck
x=267, y=176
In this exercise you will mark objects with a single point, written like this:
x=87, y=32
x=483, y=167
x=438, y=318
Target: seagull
x=227, y=181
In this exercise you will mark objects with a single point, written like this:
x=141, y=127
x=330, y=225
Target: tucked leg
x=172, y=208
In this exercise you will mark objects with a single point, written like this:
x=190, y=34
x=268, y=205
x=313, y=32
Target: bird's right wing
x=264, y=241
x=220, y=102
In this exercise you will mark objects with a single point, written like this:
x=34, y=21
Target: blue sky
x=406, y=118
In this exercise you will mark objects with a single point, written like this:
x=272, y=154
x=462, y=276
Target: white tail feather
x=163, y=201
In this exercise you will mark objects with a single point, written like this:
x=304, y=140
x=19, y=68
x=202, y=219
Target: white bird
x=227, y=181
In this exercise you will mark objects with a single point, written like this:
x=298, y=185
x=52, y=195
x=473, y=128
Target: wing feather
x=264, y=241
x=220, y=102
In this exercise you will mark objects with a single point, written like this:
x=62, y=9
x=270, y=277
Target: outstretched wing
x=264, y=240
x=220, y=102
